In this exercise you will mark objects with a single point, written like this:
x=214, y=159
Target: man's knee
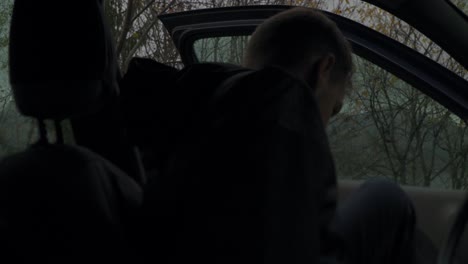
x=385, y=195
x=384, y=190
x=377, y=198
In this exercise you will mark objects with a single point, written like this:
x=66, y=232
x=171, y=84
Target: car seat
x=61, y=203
x=159, y=101
x=250, y=178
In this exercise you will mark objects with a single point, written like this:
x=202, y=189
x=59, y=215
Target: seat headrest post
x=59, y=132
x=43, y=139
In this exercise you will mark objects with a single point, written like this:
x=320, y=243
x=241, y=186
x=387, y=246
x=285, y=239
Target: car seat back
x=159, y=101
x=250, y=180
x=62, y=203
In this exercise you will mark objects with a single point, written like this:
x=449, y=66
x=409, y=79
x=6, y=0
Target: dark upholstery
x=251, y=179
x=62, y=204
x=61, y=63
x=63, y=66
x=146, y=91
x=59, y=203
x=158, y=102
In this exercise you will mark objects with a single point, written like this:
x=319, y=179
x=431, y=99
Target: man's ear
x=317, y=74
x=325, y=66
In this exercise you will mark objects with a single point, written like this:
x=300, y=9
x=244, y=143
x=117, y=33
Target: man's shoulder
x=265, y=83
x=275, y=75
x=270, y=78
x=329, y=260
x=213, y=70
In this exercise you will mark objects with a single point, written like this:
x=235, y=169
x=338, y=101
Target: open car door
x=203, y=35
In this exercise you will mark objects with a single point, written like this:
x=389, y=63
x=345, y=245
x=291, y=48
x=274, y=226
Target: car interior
x=80, y=199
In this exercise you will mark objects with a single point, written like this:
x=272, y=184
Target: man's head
x=310, y=46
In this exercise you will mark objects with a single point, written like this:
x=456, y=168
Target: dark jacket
x=250, y=175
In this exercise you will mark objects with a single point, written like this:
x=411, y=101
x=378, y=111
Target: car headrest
x=62, y=64
x=169, y=98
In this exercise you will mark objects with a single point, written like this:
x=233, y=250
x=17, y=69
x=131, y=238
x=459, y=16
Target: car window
x=389, y=129
x=143, y=35
x=16, y=131
x=395, y=28
x=229, y=49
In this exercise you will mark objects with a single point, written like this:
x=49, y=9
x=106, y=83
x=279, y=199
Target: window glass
x=228, y=49
x=393, y=27
x=16, y=131
x=390, y=129
x=387, y=128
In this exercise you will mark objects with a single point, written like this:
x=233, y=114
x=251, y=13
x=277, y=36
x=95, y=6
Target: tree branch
x=144, y=35
x=143, y=10
x=167, y=7
x=126, y=27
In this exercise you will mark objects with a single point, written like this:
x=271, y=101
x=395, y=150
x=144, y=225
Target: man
x=376, y=223
x=250, y=178
x=310, y=47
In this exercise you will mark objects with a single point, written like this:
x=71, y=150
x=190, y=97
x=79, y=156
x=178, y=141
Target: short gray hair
x=290, y=38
